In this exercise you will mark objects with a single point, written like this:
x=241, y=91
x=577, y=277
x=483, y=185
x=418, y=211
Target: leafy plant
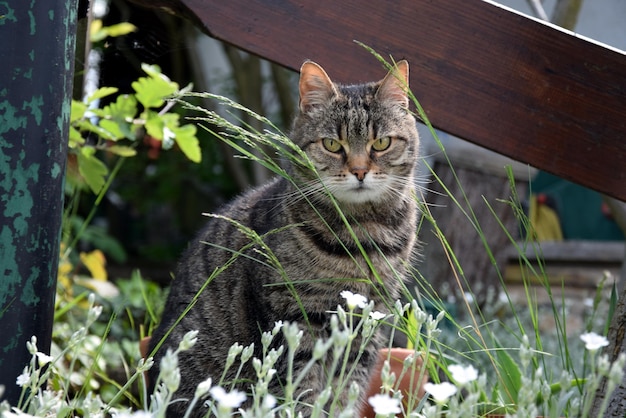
x=116, y=127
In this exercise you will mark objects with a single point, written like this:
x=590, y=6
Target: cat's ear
x=316, y=88
x=393, y=88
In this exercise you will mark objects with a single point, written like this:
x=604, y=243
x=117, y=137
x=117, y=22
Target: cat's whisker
x=288, y=196
x=312, y=188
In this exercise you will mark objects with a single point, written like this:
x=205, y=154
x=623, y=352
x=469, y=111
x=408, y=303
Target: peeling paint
x=9, y=119
x=7, y=13
x=18, y=201
x=56, y=170
x=35, y=105
x=33, y=23
x=29, y=296
x=9, y=268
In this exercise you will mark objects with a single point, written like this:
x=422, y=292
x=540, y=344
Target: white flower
x=377, y=316
x=354, y=299
x=189, y=340
x=440, y=391
x=384, y=404
x=43, y=358
x=593, y=341
x=32, y=345
x=277, y=327
x=269, y=401
x=94, y=312
x=16, y=414
x=230, y=400
x=22, y=380
x=463, y=375
x=203, y=387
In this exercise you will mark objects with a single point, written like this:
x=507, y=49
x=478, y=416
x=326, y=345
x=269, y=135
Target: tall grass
x=521, y=371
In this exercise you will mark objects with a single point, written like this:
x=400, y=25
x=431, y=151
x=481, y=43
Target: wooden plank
x=501, y=80
x=574, y=251
x=558, y=276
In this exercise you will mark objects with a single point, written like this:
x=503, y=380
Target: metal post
x=37, y=58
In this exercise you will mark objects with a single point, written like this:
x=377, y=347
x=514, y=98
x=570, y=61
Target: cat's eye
x=331, y=144
x=381, y=144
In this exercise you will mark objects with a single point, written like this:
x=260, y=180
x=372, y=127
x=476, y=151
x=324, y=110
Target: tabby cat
x=363, y=141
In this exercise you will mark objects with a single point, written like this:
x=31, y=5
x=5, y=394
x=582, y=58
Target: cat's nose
x=359, y=173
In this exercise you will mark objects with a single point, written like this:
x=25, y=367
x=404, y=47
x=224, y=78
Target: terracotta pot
x=396, y=358
x=144, y=344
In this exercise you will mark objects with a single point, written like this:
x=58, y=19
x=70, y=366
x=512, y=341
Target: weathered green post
x=37, y=59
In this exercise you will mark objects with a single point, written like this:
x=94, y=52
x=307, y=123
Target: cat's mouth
x=359, y=193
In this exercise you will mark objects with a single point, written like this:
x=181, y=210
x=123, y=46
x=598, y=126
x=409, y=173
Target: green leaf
x=102, y=92
x=123, y=108
x=166, y=127
x=86, y=125
x=98, y=33
x=510, y=375
x=155, y=123
x=120, y=29
x=77, y=111
x=92, y=170
x=122, y=151
x=118, y=117
x=75, y=138
x=152, y=90
x=185, y=137
x=153, y=70
x=112, y=128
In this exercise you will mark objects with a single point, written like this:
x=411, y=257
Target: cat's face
x=362, y=138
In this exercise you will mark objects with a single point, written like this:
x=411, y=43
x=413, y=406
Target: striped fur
x=303, y=229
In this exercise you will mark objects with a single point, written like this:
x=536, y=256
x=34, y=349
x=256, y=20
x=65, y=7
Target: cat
x=363, y=142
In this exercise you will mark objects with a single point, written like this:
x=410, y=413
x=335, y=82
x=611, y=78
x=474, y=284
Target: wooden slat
x=488, y=75
x=573, y=251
